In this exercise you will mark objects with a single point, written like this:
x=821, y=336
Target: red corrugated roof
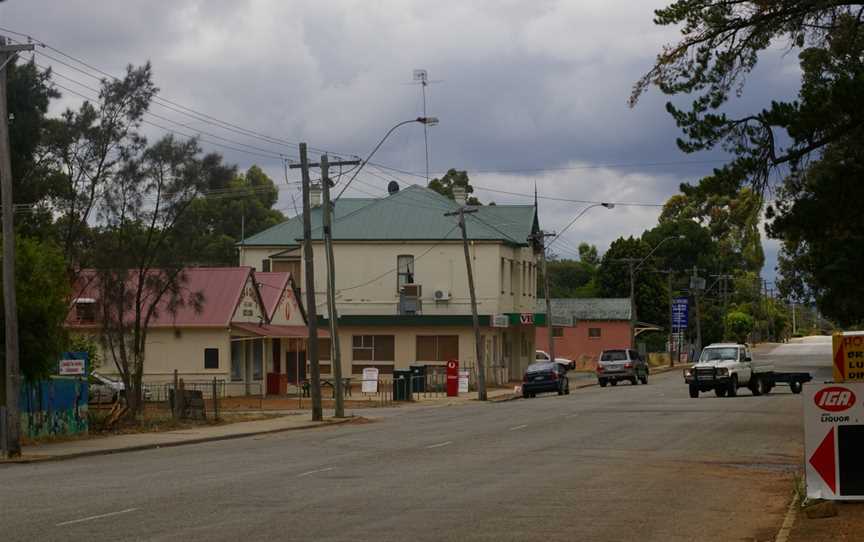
x=266, y=330
x=220, y=286
x=271, y=286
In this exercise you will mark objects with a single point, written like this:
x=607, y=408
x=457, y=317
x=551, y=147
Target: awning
x=267, y=330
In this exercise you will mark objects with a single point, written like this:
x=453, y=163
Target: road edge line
x=788, y=521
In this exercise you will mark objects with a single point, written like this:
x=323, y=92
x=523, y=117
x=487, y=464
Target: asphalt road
x=623, y=463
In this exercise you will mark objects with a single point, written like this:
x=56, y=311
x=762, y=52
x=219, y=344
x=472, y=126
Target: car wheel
x=721, y=391
x=561, y=388
x=602, y=382
x=613, y=382
x=634, y=381
x=567, y=388
x=644, y=378
x=733, y=386
x=795, y=386
x=694, y=392
x=755, y=386
x=764, y=386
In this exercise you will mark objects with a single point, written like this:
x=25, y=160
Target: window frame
x=211, y=351
x=409, y=273
x=372, y=348
x=439, y=355
x=596, y=336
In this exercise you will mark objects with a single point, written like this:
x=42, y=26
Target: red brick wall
x=576, y=345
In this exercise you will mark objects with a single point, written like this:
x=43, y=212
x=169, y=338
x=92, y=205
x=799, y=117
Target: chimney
x=459, y=195
x=315, y=195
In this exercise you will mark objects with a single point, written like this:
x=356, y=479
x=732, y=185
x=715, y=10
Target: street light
x=426, y=121
x=633, y=269
x=585, y=210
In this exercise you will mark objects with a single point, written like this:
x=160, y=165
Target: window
x=405, y=271
x=211, y=358
x=593, y=332
x=557, y=331
x=236, y=360
x=324, y=349
x=265, y=266
x=373, y=348
x=257, y=359
x=437, y=347
x=85, y=311
x=502, y=274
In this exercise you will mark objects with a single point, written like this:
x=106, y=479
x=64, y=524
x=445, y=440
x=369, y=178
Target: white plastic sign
x=72, y=367
x=463, y=381
x=834, y=441
x=370, y=380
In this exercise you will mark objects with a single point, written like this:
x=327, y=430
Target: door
x=277, y=356
x=295, y=366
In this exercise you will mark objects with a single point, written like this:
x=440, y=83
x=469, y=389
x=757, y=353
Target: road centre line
x=100, y=516
x=439, y=445
x=315, y=471
x=518, y=427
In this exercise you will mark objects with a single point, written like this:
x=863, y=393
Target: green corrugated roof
x=414, y=213
x=589, y=308
x=289, y=231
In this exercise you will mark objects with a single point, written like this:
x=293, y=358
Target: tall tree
x=230, y=210
x=139, y=266
x=721, y=44
x=650, y=289
x=451, y=179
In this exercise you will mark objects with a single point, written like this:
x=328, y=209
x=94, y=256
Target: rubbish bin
x=401, y=384
x=418, y=378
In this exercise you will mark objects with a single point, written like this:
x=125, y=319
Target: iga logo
x=834, y=399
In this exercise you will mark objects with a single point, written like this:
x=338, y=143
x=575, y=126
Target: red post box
x=453, y=378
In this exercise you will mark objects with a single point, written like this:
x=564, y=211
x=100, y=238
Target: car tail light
x=525, y=378
x=554, y=375
x=628, y=365
x=599, y=368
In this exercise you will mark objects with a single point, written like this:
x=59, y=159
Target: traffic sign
x=848, y=356
x=834, y=441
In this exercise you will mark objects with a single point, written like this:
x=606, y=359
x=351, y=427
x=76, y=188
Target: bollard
x=3, y=436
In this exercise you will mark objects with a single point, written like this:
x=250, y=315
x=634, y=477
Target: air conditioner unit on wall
x=442, y=295
x=412, y=290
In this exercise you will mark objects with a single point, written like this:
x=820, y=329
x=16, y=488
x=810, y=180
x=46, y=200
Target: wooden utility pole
x=335, y=351
x=481, y=366
x=311, y=313
x=694, y=286
x=12, y=374
x=327, y=222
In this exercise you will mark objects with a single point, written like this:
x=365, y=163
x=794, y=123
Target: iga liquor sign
x=834, y=441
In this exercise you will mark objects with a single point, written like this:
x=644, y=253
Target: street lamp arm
x=585, y=210
x=638, y=265
x=421, y=120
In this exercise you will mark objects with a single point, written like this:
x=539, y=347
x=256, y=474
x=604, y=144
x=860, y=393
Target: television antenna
x=421, y=77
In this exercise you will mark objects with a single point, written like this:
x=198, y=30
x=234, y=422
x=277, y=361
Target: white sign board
x=463, y=381
x=834, y=441
x=370, y=380
x=500, y=320
x=72, y=367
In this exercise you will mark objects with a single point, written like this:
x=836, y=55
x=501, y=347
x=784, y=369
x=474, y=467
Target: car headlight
x=722, y=371
x=688, y=372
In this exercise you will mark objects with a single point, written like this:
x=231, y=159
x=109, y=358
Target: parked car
x=545, y=376
x=621, y=364
x=542, y=355
x=102, y=389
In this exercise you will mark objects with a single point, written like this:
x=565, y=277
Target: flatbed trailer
x=706, y=379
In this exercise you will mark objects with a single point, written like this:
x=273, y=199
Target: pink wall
x=576, y=343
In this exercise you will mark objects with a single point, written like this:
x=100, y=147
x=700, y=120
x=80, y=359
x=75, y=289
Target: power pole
x=335, y=348
x=327, y=222
x=312, y=342
x=632, y=263
x=724, y=294
x=12, y=437
x=694, y=281
x=481, y=365
x=671, y=318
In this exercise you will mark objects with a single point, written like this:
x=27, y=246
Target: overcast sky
x=526, y=92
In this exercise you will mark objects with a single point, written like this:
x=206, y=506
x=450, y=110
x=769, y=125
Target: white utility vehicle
x=541, y=355
x=726, y=367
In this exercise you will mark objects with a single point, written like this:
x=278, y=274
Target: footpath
x=290, y=420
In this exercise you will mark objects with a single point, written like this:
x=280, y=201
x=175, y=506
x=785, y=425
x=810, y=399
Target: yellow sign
x=849, y=356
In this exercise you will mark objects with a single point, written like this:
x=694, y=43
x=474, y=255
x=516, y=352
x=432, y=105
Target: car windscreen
x=539, y=367
x=614, y=355
x=713, y=354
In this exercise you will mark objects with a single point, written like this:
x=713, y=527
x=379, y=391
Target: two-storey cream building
x=402, y=285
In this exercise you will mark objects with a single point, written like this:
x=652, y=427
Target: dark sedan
x=543, y=377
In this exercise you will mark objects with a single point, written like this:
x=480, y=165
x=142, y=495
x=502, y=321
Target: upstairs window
x=85, y=311
x=405, y=270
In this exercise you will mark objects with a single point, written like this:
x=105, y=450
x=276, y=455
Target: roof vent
x=393, y=187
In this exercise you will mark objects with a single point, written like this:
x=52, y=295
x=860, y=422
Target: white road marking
x=100, y=516
x=440, y=445
x=315, y=471
x=518, y=427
